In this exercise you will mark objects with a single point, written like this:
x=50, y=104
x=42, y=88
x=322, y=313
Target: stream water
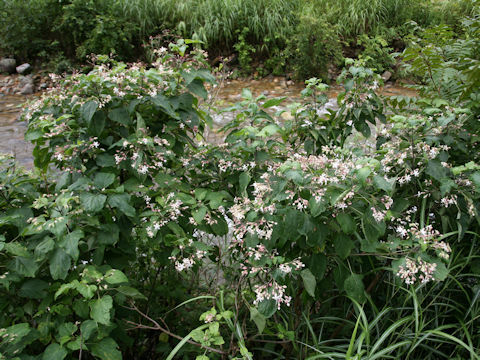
x=12, y=130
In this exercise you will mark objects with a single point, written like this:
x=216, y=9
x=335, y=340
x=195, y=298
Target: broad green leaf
x=436, y=170
x=346, y=222
x=100, y=309
x=244, y=180
x=33, y=289
x=199, y=214
x=103, y=180
x=197, y=88
x=316, y=207
x=309, y=282
x=317, y=263
x=60, y=263
x=343, y=245
x=115, y=277
x=120, y=115
x=97, y=124
x=354, y=287
x=92, y=202
x=267, y=308
x=87, y=291
x=16, y=249
x=273, y=102
x=441, y=271
x=129, y=291
x=24, y=266
x=106, y=349
x=121, y=202
x=383, y=184
x=363, y=174
x=54, y=352
x=258, y=318
x=43, y=248
x=88, y=110
x=87, y=328
x=200, y=193
x=70, y=243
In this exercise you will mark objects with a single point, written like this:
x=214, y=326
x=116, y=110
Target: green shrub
x=314, y=46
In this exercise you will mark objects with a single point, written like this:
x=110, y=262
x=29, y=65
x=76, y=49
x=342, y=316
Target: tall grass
x=397, y=322
x=215, y=22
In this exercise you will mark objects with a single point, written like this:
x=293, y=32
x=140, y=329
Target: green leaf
x=258, y=318
x=346, y=222
x=100, y=309
x=316, y=207
x=88, y=110
x=267, y=308
x=199, y=214
x=97, y=124
x=309, y=282
x=103, y=180
x=197, y=88
x=60, y=263
x=363, y=174
x=129, y=291
x=24, y=266
x=43, y=248
x=106, y=349
x=269, y=130
x=200, y=193
x=70, y=243
x=92, y=202
x=120, y=115
x=476, y=180
x=121, y=202
x=33, y=289
x=16, y=249
x=273, y=102
x=87, y=291
x=54, y=352
x=436, y=170
x=244, y=180
x=105, y=160
x=354, y=287
x=87, y=329
x=441, y=271
x=317, y=263
x=343, y=245
x=383, y=184
x=115, y=277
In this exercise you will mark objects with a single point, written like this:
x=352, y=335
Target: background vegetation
x=351, y=234
x=268, y=36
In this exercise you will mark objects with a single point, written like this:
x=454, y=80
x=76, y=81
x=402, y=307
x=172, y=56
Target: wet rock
x=7, y=65
x=286, y=116
x=24, y=68
x=386, y=75
x=27, y=89
x=26, y=85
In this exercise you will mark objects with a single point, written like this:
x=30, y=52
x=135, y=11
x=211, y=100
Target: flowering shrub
x=143, y=220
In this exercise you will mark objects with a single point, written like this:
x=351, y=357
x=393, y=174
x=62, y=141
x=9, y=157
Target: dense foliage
x=350, y=234
x=305, y=36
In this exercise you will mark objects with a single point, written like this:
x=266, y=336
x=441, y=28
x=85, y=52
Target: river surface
x=12, y=130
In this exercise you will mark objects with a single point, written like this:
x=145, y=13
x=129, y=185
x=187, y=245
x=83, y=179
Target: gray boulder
x=386, y=76
x=27, y=89
x=7, y=65
x=27, y=85
x=24, y=68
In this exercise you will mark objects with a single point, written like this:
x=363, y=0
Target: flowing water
x=12, y=130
